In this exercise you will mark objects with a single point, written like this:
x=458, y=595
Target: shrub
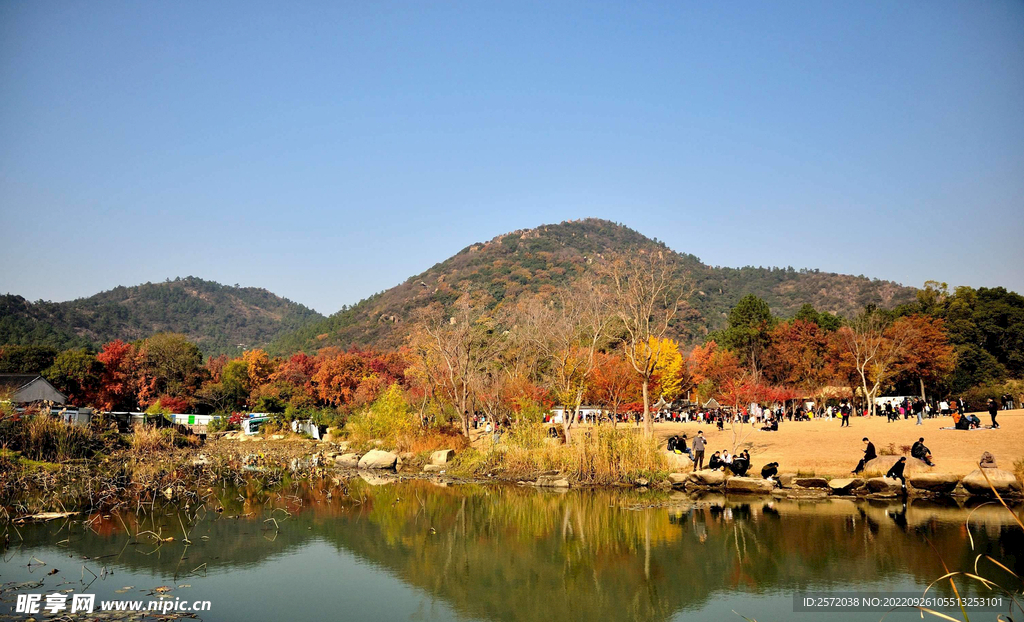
x=388, y=419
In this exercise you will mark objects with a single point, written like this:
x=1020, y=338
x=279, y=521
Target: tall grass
x=46, y=438
x=602, y=455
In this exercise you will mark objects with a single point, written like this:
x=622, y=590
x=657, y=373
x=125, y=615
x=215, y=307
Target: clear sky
x=330, y=150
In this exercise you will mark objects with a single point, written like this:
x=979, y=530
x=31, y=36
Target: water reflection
x=511, y=553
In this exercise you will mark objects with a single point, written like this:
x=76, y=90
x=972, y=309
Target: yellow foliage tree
x=260, y=367
x=669, y=368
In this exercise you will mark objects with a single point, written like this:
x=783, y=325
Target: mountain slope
x=219, y=318
x=547, y=258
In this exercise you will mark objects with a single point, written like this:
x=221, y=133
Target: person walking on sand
x=844, y=410
x=699, y=443
x=993, y=410
x=869, y=455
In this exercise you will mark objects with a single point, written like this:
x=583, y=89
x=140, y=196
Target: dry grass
x=147, y=439
x=600, y=455
x=46, y=438
x=823, y=448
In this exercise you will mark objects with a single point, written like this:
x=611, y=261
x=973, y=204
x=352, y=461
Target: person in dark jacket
x=740, y=464
x=770, y=470
x=896, y=471
x=993, y=410
x=919, y=451
x=715, y=462
x=869, y=455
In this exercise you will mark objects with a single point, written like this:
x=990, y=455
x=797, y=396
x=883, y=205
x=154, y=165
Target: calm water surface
x=420, y=551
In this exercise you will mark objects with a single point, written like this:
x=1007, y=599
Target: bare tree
x=455, y=349
x=647, y=296
x=568, y=335
x=876, y=347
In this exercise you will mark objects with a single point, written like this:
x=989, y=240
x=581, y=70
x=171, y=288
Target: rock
x=378, y=459
x=882, y=464
x=845, y=485
x=678, y=462
x=786, y=480
x=432, y=468
x=678, y=479
x=642, y=481
x=1004, y=482
x=988, y=461
x=442, y=456
x=811, y=482
x=406, y=456
x=169, y=492
x=934, y=482
x=343, y=446
x=349, y=461
x=884, y=485
x=552, y=481
x=708, y=477
x=200, y=460
x=748, y=485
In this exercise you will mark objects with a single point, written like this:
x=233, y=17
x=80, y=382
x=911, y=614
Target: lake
x=418, y=550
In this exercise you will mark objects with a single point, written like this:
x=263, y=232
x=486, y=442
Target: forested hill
x=547, y=258
x=219, y=318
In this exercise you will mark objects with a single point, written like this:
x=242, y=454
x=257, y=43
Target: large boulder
x=845, y=485
x=785, y=479
x=882, y=464
x=432, y=468
x=552, y=481
x=942, y=483
x=442, y=456
x=748, y=485
x=348, y=461
x=884, y=486
x=810, y=482
x=678, y=462
x=1004, y=482
x=707, y=477
x=378, y=459
x=678, y=479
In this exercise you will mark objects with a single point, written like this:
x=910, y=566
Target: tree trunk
x=648, y=424
x=923, y=398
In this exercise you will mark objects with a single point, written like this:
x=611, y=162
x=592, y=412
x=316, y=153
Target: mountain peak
x=547, y=258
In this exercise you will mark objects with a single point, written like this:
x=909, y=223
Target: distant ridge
x=545, y=259
x=219, y=318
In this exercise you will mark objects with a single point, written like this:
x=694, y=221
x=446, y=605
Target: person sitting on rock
x=672, y=443
x=715, y=462
x=921, y=452
x=896, y=471
x=740, y=465
x=770, y=470
x=869, y=455
x=681, y=447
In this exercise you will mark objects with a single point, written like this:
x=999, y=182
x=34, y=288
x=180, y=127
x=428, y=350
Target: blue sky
x=330, y=150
